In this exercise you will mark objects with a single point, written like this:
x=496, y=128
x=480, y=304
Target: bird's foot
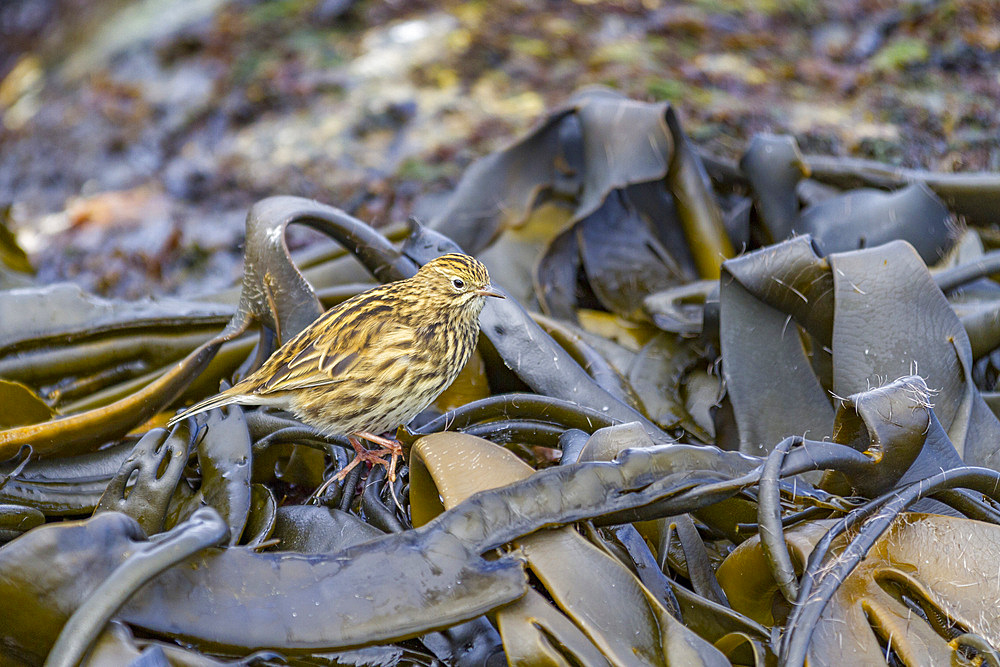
x=372, y=457
x=389, y=446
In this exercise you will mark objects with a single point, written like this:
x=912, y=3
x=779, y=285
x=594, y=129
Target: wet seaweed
x=695, y=457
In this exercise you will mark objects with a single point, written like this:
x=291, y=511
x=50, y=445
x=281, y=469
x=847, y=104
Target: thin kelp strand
x=533, y=406
x=967, y=504
x=772, y=535
x=951, y=279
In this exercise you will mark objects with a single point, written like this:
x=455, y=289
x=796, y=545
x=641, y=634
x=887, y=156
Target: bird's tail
x=217, y=401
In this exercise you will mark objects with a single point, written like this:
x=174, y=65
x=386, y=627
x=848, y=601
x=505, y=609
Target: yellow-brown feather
x=376, y=360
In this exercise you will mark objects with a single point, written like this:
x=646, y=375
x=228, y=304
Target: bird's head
x=460, y=279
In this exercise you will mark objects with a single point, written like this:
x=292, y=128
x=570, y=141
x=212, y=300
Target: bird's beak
x=490, y=290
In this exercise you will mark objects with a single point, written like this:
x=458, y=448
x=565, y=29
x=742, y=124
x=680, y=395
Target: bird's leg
x=373, y=457
x=389, y=446
x=370, y=456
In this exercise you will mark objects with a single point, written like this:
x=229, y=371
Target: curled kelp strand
x=523, y=431
x=531, y=406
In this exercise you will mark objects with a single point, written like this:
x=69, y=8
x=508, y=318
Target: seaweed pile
x=730, y=414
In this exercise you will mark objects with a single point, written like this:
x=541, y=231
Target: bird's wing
x=332, y=350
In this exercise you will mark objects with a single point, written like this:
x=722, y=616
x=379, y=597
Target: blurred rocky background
x=135, y=135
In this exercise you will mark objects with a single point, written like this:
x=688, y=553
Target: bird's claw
x=372, y=457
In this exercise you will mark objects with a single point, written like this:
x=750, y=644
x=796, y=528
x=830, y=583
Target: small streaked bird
x=374, y=361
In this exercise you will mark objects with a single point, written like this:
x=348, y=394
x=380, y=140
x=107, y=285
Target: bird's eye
x=458, y=283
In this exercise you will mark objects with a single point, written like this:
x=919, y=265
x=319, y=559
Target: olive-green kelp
x=646, y=482
x=692, y=457
x=871, y=315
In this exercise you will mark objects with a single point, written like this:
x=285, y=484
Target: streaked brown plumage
x=374, y=361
